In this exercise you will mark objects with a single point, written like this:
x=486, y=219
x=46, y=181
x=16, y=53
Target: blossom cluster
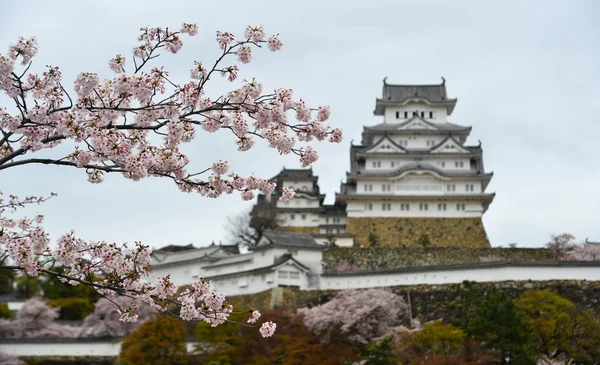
x=113, y=124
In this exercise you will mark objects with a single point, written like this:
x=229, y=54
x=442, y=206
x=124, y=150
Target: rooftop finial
x=443, y=81
x=385, y=80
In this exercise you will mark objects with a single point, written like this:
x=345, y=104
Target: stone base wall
x=407, y=232
x=372, y=258
x=299, y=229
x=429, y=302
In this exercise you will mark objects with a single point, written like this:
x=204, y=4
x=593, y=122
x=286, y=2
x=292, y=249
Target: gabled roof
x=386, y=145
x=402, y=94
x=287, y=239
x=451, y=143
x=283, y=260
x=195, y=254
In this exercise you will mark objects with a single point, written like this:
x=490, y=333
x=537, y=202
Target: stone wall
x=431, y=302
x=406, y=232
x=299, y=229
x=393, y=257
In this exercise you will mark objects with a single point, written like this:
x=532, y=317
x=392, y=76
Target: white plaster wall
x=58, y=348
x=358, y=209
x=181, y=274
x=15, y=306
x=439, y=113
x=333, y=220
x=244, y=284
x=298, y=202
x=458, y=276
x=299, y=185
x=417, y=185
x=311, y=219
x=99, y=348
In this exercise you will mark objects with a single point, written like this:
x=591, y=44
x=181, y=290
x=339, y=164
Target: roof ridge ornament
x=443, y=81
x=385, y=80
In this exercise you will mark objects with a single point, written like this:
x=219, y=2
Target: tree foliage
x=499, y=328
x=294, y=344
x=358, y=315
x=559, y=329
x=160, y=341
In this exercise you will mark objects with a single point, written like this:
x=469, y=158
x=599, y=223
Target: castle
x=412, y=181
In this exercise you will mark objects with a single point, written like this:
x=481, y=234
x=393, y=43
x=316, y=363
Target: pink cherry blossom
x=267, y=329
x=244, y=54
x=220, y=167
x=254, y=316
x=323, y=113
x=287, y=194
x=255, y=34
x=274, y=44
x=117, y=64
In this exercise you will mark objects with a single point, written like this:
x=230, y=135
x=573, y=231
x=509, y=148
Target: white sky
x=526, y=75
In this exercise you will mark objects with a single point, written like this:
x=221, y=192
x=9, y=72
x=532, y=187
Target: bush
x=72, y=309
x=4, y=311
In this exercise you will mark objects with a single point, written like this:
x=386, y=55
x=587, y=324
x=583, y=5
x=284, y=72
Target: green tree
x=7, y=279
x=498, y=326
x=380, y=353
x=424, y=241
x=373, y=239
x=5, y=313
x=72, y=309
x=160, y=341
x=559, y=329
x=27, y=286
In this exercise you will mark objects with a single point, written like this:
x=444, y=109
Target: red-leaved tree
x=357, y=315
x=133, y=124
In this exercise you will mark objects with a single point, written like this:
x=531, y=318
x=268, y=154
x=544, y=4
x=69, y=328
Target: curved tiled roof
x=398, y=94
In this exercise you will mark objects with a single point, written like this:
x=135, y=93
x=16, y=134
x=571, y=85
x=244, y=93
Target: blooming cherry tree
x=112, y=125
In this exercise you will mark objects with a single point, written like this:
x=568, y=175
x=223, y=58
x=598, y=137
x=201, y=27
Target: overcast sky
x=526, y=75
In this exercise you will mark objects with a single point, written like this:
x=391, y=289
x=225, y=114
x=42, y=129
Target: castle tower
x=413, y=181
x=305, y=213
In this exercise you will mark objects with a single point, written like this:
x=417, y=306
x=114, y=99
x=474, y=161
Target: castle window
x=415, y=114
x=451, y=187
x=405, y=115
x=469, y=187
x=423, y=206
x=397, y=115
x=431, y=115
x=392, y=164
x=386, y=187
x=292, y=216
x=303, y=216
x=442, y=206
x=459, y=164
x=326, y=220
x=386, y=206
x=460, y=207
x=404, y=206
x=422, y=114
x=369, y=206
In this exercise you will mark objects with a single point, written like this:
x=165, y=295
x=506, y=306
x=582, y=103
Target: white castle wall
x=66, y=347
x=481, y=274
